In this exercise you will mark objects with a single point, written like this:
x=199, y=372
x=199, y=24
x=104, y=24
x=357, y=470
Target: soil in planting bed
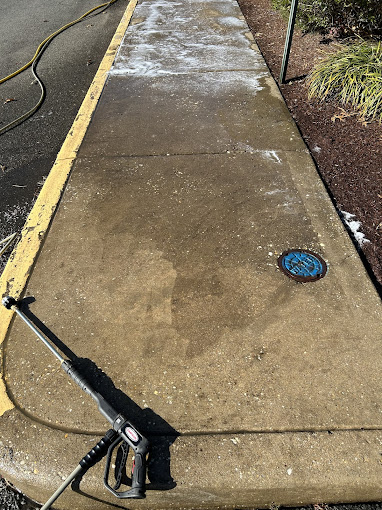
x=346, y=151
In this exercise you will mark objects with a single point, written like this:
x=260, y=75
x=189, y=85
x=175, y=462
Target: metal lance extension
x=90, y=459
x=125, y=434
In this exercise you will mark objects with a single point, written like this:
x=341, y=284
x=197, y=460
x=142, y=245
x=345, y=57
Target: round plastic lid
x=302, y=265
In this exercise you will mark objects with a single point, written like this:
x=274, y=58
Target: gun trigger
x=120, y=464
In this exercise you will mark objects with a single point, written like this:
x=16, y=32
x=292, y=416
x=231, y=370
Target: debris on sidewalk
x=7, y=242
x=12, y=499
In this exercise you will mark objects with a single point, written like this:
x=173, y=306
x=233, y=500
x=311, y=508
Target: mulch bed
x=347, y=153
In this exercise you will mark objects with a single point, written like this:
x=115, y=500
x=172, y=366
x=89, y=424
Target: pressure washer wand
x=90, y=459
x=125, y=430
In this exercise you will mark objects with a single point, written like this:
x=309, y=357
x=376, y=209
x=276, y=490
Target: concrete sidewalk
x=160, y=269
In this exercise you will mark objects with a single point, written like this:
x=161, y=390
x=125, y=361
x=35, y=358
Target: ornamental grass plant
x=353, y=76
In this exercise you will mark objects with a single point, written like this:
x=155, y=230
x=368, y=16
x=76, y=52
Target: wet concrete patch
x=167, y=39
x=293, y=469
x=168, y=15
x=198, y=86
x=191, y=114
x=169, y=270
x=154, y=53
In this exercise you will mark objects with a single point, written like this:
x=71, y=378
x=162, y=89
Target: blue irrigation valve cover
x=302, y=265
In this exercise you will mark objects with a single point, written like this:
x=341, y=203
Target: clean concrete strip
x=20, y=264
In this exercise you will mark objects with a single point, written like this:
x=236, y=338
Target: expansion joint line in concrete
x=201, y=433
x=21, y=262
x=313, y=430
x=230, y=152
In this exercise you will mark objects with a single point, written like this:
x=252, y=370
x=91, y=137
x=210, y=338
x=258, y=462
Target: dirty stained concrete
x=160, y=275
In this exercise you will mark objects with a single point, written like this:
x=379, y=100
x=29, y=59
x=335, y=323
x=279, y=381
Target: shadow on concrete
x=160, y=434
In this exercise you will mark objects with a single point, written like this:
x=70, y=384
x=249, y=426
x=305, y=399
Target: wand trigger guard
x=137, y=490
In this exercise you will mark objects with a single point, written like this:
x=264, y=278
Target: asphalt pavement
x=67, y=68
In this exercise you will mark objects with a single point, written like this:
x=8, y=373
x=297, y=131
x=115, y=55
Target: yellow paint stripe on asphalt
x=20, y=264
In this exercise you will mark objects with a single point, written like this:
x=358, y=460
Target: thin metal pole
x=288, y=40
x=37, y=332
x=61, y=489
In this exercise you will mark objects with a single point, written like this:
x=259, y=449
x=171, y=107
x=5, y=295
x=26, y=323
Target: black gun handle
x=138, y=474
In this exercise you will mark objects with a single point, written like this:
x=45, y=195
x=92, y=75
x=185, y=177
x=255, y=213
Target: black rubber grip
x=99, y=450
x=138, y=474
x=77, y=377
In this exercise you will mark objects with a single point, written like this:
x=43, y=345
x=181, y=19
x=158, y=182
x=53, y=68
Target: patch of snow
x=272, y=155
x=232, y=21
x=275, y=192
x=243, y=147
x=354, y=226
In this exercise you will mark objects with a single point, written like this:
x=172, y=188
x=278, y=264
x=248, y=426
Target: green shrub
x=351, y=75
x=345, y=17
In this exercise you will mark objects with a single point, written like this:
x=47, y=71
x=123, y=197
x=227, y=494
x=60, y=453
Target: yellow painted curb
x=20, y=264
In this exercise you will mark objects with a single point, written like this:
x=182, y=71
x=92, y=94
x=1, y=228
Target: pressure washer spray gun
x=123, y=432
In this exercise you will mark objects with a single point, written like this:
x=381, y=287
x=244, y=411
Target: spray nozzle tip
x=8, y=302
